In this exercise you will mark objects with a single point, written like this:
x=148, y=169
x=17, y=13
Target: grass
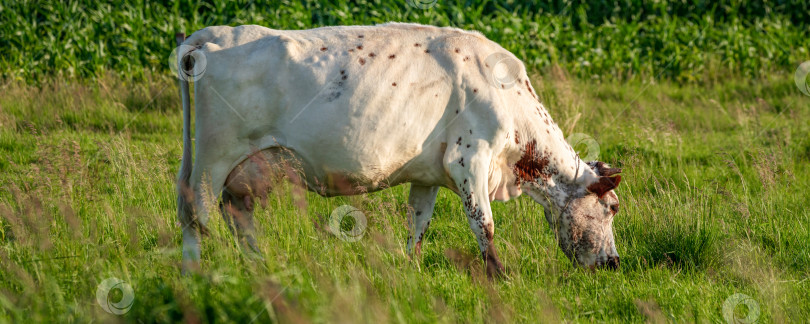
x=716, y=177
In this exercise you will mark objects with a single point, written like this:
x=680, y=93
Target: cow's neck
x=547, y=162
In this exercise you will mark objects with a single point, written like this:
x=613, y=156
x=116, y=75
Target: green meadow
x=697, y=103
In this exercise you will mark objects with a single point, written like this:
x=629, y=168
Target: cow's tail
x=185, y=195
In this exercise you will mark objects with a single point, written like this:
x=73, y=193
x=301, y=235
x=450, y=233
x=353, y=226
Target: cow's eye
x=614, y=208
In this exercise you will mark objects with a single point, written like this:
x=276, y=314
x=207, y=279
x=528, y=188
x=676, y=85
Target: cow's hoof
x=189, y=268
x=254, y=256
x=495, y=270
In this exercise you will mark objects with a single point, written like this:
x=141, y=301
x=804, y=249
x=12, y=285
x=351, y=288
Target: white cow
x=362, y=108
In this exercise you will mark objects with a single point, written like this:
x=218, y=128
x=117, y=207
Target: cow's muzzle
x=611, y=263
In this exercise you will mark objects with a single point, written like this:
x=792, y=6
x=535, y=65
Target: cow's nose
x=613, y=262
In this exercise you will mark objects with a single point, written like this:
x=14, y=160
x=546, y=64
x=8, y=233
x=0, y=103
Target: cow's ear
x=605, y=184
x=602, y=169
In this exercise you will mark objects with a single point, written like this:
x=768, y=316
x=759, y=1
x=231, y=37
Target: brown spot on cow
x=417, y=45
x=323, y=49
x=517, y=137
x=360, y=36
x=531, y=165
x=342, y=72
x=362, y=61
x=334, y=95
x=392, y=56
x=475, y=90
x=371, y=55
x=344, y=77
x=359, y=47
x=427, y=51
x=529, y=89
x=394, y=84
x=458, y=50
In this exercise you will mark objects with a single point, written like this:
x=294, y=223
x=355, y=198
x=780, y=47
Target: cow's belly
x=376, y=151
x=343, y=174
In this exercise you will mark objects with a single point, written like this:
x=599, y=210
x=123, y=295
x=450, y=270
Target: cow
x=361, y=108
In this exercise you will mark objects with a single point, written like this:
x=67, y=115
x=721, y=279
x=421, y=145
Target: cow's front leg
x=421, y=202
x=470, y=171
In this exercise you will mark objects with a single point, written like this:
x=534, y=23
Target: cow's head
x=581, y=215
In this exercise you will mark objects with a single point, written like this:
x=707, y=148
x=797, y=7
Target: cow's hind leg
x=204, y=186
x=250, y=180
x=237, y=211
x=421, y=202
